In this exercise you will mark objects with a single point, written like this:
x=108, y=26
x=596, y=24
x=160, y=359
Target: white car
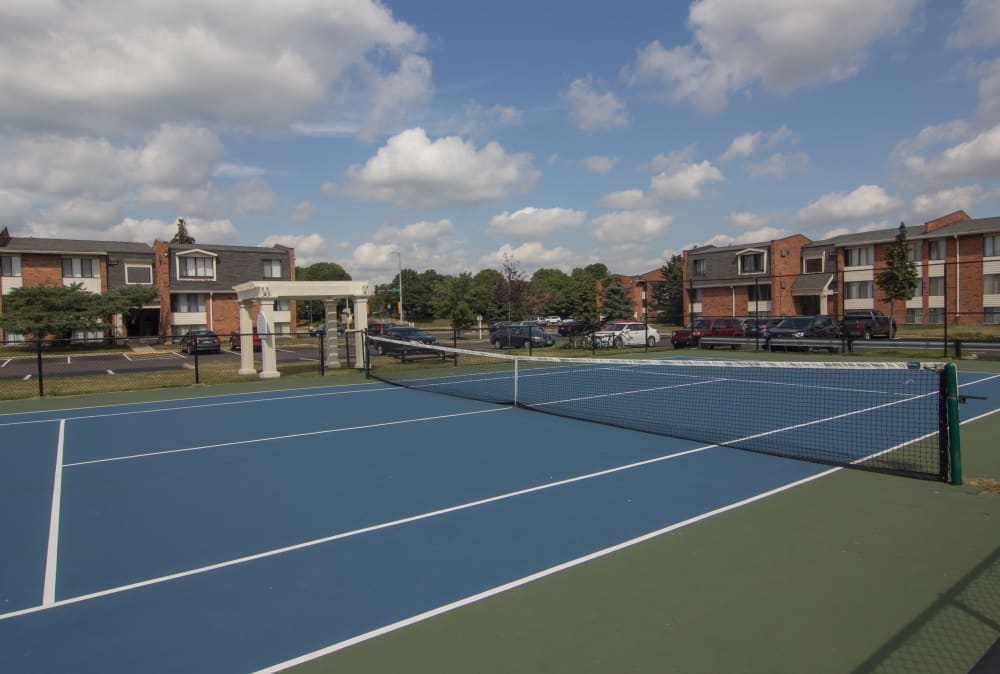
x=553, y=320
x=619, y=334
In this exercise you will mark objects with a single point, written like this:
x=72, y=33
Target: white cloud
x=977, y=156
x=410, y=88
x=747, y=220
x=425, y=231
x=750, y=236
x=530, y=256
x=625, y=199
x=254, y=197
x=412, y=171
x=599, y=164
x=593, y=110
x=304, y=211
x=15, y=207
x=104, y=67
x=309, y=248
x=741, y=147
x=476, y=121
x=625, y=226
x=179, y=155
x=929, y=206
x=84, y=213
x=684, y=182
x=864, y=203
x=329, y=189
x=781, y=44
x=535, y=223
x=977, y=26
x=779, y=165
x=238, y=171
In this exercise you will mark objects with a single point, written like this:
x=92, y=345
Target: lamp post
x=641, y=282
x=399, y=257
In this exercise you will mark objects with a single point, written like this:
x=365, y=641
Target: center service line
x=49, y=591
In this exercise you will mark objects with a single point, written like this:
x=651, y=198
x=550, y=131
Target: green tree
x=668, y=295
x=898, y=280
x=511, y=289
x=482, y=298
x=182, y=235
x=451, y=300
x=312, y=310
x=550, y=292
x=583, y=290
x=56, y=311
x=615, y=300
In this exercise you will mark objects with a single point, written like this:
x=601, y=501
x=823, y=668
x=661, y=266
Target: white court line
x=127, y=357
x=52, y=550
x=110, y=371
x=381, y=424
x=69, y=360
x=381, y=388
x=26, y=377
x=6, y=362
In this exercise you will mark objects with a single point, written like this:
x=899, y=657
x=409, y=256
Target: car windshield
x=795, y=323
x=407, y=333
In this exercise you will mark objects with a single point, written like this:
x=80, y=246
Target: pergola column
x=265, y=329
x=360, y=323
x=246, y=338
x=332, y=359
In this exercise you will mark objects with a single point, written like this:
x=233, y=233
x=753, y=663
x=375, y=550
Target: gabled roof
x=916, y=233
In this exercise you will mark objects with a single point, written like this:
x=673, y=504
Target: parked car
x=575, y=328
x=759, y=328
x=402, y=333
x=705, y=327
x=867, y=323
x=201, y=341
x=619, y=334
x=321, y=330
x=804, y=327
x=517, y=336
x=378, y=327
x=235, y=343
x=553, y=320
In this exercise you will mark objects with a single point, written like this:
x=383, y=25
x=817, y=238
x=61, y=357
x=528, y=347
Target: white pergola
x=264, y=293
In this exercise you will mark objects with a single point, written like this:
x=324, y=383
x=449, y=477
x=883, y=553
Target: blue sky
x=558, y=133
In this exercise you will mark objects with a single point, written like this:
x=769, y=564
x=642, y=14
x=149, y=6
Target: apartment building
x=195, y=282
x=957, y=259
x=744, y=280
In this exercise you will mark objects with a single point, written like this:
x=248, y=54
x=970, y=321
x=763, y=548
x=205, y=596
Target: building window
x=991, y=246
x=282, y=305
x=282, y=328
x=859, y=257
x=271, y=268
x=13, y=338
x=935, y=316
x=935, y=286
x=858, y=290
x=991, y=315
x=81, y=267
x=187, y=303
x=751, y=263
x=991, y=284
x=694, y=295
x=916, y=252
x=919, y=290
x=700, y=267
x=138, y=275
x=915, y=316
x=191, y=266
x=812, y=265
x=759, y=293
x=936, y=249
x=10, y=265
x=87, y=336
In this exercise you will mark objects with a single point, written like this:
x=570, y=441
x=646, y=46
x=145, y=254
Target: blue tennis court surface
x=237, y=533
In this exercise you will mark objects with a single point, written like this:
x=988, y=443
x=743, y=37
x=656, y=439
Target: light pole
x=399, y=257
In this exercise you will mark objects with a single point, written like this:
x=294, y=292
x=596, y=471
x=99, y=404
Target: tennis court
x=257, y=531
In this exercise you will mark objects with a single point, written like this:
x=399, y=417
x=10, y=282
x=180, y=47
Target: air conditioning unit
x=784, y=252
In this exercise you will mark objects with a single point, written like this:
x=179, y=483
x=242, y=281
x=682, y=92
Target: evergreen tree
x=615, y=301
x=182, y=235
x=668, y=295
x=899, y=279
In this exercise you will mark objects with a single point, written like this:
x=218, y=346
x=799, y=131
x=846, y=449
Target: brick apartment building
x=195, y=282
x=957, y=258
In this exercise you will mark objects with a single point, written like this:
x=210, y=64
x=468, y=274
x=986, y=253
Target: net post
x=517, y=379
x=367, y=354
x=954, y=431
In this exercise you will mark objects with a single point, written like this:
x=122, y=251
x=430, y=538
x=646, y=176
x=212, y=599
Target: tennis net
x=884, y=417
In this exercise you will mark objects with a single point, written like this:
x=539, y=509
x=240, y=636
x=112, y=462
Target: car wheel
x=495, y=343
x=651, y=342
x=379, y=349
x=618, y=343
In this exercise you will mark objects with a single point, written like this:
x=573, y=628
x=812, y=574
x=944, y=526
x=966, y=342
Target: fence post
x=41, y=378
x=197, y=373
x=322, y=355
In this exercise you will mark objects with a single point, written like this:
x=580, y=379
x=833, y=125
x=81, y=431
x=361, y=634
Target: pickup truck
x=866, y=324
x=706, y=327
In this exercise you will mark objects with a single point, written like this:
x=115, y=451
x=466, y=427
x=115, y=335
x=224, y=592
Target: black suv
x=201, y=341
x=575, y=328
x=402, y=333
x=517, y=336
x=803, y=327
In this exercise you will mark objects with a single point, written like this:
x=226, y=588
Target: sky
x=452, y=134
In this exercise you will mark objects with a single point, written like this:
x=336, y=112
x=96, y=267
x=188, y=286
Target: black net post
x=41, y=377
x=322, y=355
x=197, y=373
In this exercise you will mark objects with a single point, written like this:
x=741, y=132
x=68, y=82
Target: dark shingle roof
x=23, y=244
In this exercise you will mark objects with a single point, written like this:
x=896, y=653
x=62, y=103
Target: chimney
x=945, y=220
